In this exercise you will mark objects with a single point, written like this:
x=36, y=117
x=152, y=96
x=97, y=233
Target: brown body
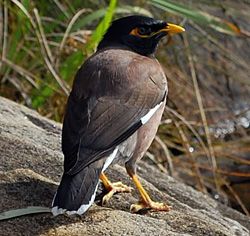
x=135, y=147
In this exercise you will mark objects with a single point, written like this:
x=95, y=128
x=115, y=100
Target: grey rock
x=31, y=166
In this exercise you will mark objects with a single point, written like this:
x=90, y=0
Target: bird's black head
x=140, y=33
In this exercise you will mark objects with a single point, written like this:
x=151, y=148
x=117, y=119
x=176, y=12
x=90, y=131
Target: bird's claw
x=117, y=187
x=146, y=206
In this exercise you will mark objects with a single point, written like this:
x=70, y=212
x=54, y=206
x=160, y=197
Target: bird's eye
x=144, y=31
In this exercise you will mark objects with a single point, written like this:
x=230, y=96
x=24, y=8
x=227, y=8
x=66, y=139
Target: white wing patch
x=109, y=160
x=151, y=112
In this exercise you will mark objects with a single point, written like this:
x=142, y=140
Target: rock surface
x=31, y=165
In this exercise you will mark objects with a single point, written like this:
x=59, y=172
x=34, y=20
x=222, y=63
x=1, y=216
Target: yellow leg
x=112, y=188
x=146, y=202
x=107, y=184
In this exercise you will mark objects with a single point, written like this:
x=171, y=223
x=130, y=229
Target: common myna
x=113, y=112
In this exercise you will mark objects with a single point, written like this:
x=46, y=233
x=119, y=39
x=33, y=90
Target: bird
x=113, y=113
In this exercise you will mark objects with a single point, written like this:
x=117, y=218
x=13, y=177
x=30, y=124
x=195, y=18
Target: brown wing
x=112, y=91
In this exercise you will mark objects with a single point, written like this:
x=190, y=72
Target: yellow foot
x=117, y=187
x=151, y=205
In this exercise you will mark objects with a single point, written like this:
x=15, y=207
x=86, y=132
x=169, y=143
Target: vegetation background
x=204, y=138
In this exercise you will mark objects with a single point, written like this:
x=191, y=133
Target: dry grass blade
x=19, y=87
x=167, y=155
x=153, y=159
x=197, y=136
x=1, y=24
x=31, y=78
x=227, y=53
x=45, y=50
x=201, y=185
x=173, y=145
x=5, y=31
x=225, y=172
x=26, y=74
x=236, y=159
x=202, y=112
x=61, y=7
x=48, y=57
x=48, y=19
x=56, y=76
x=43, y=37
x=23, y=9
x=23, y=211
x=69, y=27
x=237, y=198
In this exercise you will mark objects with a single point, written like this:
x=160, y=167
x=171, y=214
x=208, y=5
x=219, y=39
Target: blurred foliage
x=204, y=136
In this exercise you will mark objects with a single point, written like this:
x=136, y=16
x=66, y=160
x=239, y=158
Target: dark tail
x=76, y=193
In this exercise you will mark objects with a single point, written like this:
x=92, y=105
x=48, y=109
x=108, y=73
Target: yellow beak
x=173, y=29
